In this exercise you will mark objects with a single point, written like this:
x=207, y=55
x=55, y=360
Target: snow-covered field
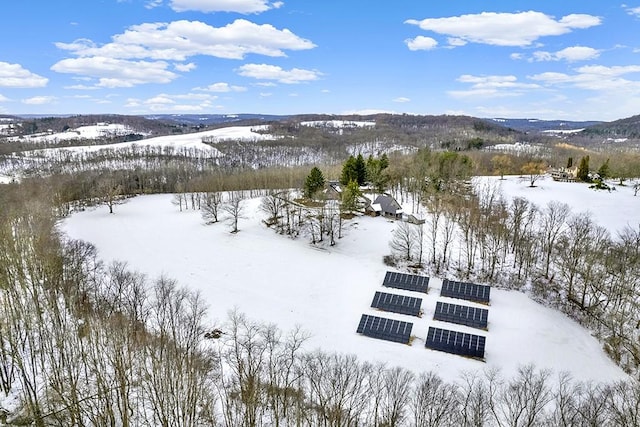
x=185, y=141
x=338, y=124
x=100, y=130
x=610, y=209
x=287, y=282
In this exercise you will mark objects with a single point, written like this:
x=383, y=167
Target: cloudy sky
x=546, y=59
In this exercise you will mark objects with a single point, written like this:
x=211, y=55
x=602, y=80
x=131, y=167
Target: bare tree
x=523, y=400
x=109, y=192
x=404, y=240
x=434, y=403
x=211, y=203
x=551, y=225
x=273, y=204
x=234, y=207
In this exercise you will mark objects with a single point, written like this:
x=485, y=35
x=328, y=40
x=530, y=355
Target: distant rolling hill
x=535, y=125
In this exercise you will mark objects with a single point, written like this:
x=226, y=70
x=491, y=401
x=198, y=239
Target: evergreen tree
x=583, y=169
x=361, y=170
x=314, y=182
x=376, y=174
x=349, y=171
x=384, y=161
x=350, y=196
x=604, y=171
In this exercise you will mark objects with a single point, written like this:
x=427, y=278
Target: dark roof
x=388, y=204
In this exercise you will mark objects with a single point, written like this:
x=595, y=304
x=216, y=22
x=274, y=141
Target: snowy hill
x=287, y=282
x=97, y=131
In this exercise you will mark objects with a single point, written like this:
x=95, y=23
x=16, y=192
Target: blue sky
x=546, y=59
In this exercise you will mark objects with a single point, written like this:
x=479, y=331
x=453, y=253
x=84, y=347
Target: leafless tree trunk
x=211, y=203
x=234, y=207
x=403, y=241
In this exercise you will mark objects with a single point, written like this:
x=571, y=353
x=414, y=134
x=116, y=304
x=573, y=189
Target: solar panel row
x=385, y=329
x=409, y=282
x=464, y=290
x=456, y=342
x=462, y=315
x=397, y=303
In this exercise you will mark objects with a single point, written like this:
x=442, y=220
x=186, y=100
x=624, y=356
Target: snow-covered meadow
x=274, y=279
x=99, y=130
x=185, y=141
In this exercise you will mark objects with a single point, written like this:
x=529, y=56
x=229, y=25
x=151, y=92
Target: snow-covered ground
x=5, y=179
x=338, y=124
x=611, y=209
x=517, y=147
x=562, y=131
x=287, y=282
x=183, y=141
x=100, y=130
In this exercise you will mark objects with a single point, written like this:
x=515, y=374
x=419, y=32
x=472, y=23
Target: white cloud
x=421, y=43
x=505, y=29
x=4, y=98
x=39, y=100
x=273, y=72
x=177, y=103
x=222, y=87
x=185, y=67
x=492, y=86
x=151, y=4
x=116, y=72
x=81, y=87
x=239, y=6
x=578, y=53
x=402, y=99
x=633, y=11
x=14, y=75
x=179, y=40
x=595, y=78
x=265, y=94
x=456, y=41
x=569, y=54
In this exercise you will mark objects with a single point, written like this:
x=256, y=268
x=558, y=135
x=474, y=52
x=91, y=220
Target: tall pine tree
x=314, y=182
x=583, y=170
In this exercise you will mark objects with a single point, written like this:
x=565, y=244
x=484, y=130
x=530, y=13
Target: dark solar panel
x=385, y=329
x=462, y=315
x=464, y=290
x=408, y=282
x=397, y=303
x=456, y=342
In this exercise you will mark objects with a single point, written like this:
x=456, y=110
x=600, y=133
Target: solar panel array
x=456, y=342
x=462, y=315
x=464, y=290
x=408, y=282
x=385, y=329
x=397, y=303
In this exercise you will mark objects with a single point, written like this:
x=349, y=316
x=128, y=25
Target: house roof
x=388, y=204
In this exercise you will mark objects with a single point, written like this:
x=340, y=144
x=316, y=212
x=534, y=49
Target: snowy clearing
x=338, y=124
x=610, y=209
x=274, y=279
x=185, y=141
x=100, y=130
